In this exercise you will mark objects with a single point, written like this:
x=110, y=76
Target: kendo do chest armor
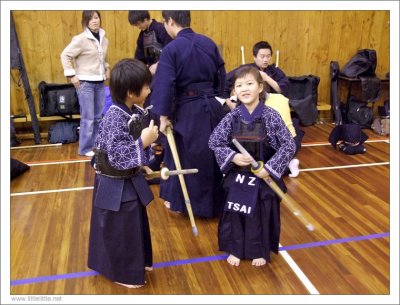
x=252, y=136
x=151, y=47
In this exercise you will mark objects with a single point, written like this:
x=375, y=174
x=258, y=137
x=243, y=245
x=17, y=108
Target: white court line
x=53, y=191
x=57, y=162
x=302, y=170
x=327, y=143
x=300, y=274
x=342, y=166
x=88, y=160
x=36, y=146
x=315, y=144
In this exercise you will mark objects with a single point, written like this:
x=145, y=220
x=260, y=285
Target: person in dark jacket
x=190, y=74
x=274, y=78
x=119, y=242
x=152, y=38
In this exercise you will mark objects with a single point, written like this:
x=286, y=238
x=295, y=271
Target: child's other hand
x=75, y=81
x=149, y=134
x=153, y=68
x=241, y=160
x=147, y=170
x=164, y=122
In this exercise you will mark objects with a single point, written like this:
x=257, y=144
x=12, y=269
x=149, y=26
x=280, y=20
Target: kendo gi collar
x=123, y=107
x=185, y=31
x=249, y=118
x=130, y=111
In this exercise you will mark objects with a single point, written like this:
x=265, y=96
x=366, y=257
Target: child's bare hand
x=153, y=68
x=149, y=134
x=147, y=170
x=241, y=160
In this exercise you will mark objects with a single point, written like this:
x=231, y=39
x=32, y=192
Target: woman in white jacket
x=84, y=63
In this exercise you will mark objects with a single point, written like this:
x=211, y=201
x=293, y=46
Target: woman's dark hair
x=243, y=71
x=181, y=18
x=138, y=16
x=87, y=15
x=128, y=75
x=261, y=45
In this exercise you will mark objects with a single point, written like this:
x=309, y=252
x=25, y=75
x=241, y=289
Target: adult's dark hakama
x=191, y=137
x=189, y=75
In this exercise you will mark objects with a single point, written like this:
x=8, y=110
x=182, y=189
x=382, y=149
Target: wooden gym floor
x=345, y=197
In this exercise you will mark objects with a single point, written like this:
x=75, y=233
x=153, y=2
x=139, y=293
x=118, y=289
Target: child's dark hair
x=128, y=75
x=138, y=16
x=182, y=18
x=87, y=15
x=261, y=45
x=243, y=71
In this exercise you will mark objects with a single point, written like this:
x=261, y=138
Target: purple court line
x=333, y=241
x=196, y=260
x=53, y=278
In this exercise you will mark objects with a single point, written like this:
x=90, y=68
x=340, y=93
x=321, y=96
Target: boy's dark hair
x=87, y=15
x=138, y=16
x=243, y=71
x=181, y=18
x=128, y=75
x=261, y=45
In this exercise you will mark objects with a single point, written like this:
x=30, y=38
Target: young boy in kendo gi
x=119, y=243
x=151, y=40
x=250, y=225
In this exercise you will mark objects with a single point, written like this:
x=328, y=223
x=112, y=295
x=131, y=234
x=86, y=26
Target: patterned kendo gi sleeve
x=123, y=151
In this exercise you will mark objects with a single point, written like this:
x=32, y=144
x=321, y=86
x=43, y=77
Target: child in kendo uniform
x=120, y=243
x=250, y=225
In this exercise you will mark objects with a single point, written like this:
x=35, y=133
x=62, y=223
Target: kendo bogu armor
x=252, y=136
x=151, y=47
x=241, y=184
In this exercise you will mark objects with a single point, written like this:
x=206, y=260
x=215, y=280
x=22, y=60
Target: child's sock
x=294, y=168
